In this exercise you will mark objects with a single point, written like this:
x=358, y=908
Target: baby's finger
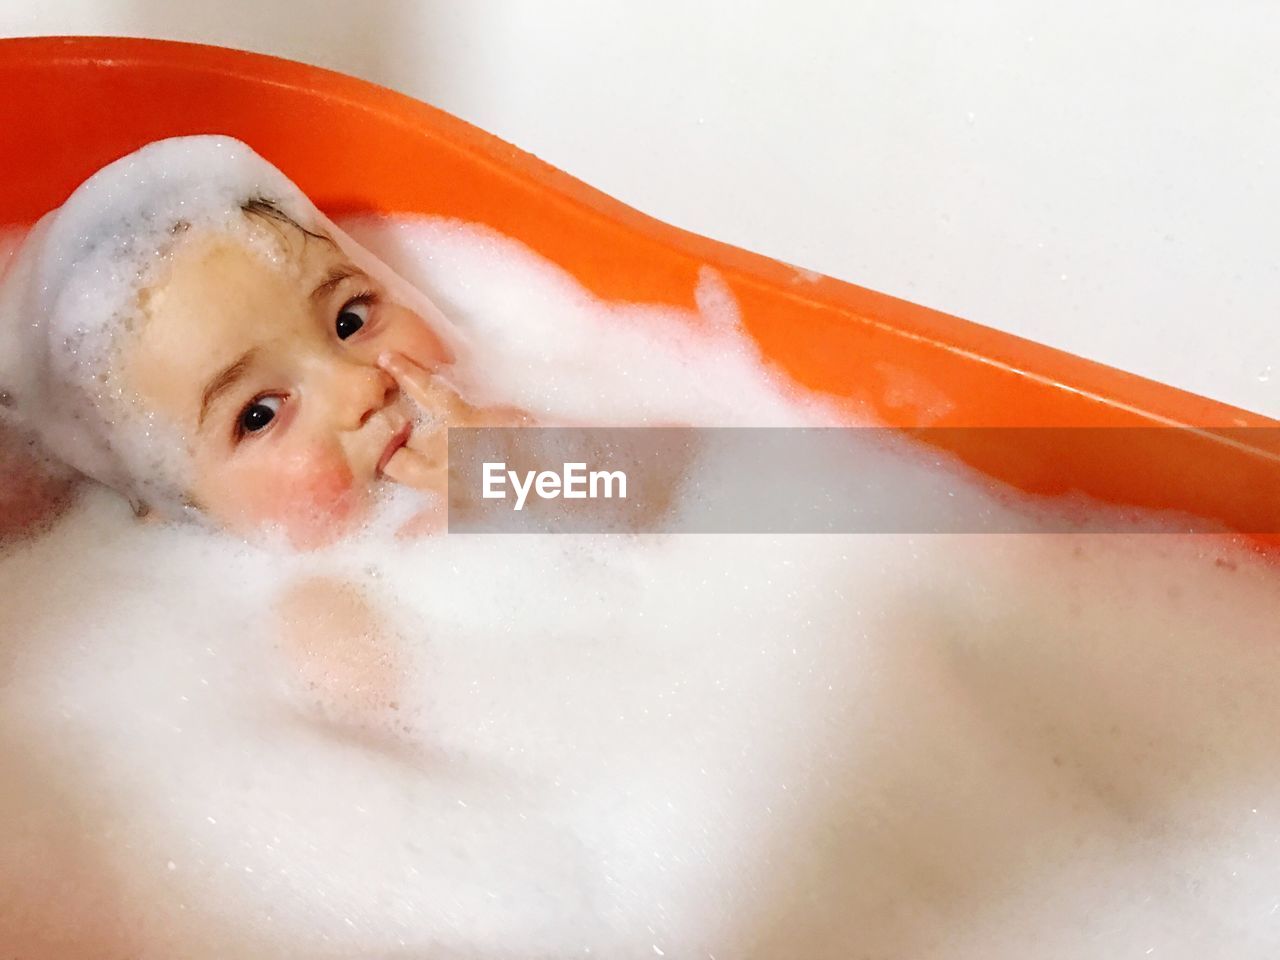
x=413, y=380
x=411, y=468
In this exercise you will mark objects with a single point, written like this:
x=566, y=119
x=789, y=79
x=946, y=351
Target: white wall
x=1103, y=175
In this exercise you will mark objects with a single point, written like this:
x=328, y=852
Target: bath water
x=661, y=745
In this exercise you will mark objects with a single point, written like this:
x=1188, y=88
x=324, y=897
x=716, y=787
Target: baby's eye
x=259, y=413
x=352, y=316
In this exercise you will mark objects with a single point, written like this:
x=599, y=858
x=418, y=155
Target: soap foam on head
x=679, y=746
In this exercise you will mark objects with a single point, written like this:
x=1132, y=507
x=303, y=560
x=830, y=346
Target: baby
x=191, y=331
x=201, y=338
x=188, y=329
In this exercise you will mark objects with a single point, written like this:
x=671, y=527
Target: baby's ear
x=141, y=509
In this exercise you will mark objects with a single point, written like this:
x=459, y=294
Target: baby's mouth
x=398, y=440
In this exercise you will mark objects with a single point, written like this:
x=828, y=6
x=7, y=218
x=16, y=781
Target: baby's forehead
x=279, y=243
x=212, y=264
x=222, y=293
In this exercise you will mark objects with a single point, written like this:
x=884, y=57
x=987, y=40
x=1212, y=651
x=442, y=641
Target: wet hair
x=268, y=212
x=265, y=211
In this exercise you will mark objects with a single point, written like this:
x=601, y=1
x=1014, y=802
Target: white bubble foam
x=618, y=746
x=543, y=342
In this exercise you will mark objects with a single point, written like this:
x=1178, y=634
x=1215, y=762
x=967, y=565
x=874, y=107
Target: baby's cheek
x=312, y=498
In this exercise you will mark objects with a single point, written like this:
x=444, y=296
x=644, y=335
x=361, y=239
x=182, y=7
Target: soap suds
x=622, y=747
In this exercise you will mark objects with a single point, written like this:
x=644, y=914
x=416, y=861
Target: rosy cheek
x=313, y=498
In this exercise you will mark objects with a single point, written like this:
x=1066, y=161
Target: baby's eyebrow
x=332, y=279
x=223, y=382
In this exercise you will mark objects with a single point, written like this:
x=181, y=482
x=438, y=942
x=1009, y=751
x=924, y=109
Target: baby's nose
x=363, y=390
x=385, y=389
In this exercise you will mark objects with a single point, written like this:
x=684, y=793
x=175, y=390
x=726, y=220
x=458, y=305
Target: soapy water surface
x=680, y=746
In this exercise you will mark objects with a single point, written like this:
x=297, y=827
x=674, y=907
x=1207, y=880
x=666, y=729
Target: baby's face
x=270, y=371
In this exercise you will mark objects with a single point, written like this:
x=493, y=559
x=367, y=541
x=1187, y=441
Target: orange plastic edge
x=72, y=104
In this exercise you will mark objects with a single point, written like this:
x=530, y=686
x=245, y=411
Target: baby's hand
x=423, y=463
x=443, y=403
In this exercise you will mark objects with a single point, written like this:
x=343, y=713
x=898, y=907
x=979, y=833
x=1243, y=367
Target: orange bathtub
x=69, y=105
